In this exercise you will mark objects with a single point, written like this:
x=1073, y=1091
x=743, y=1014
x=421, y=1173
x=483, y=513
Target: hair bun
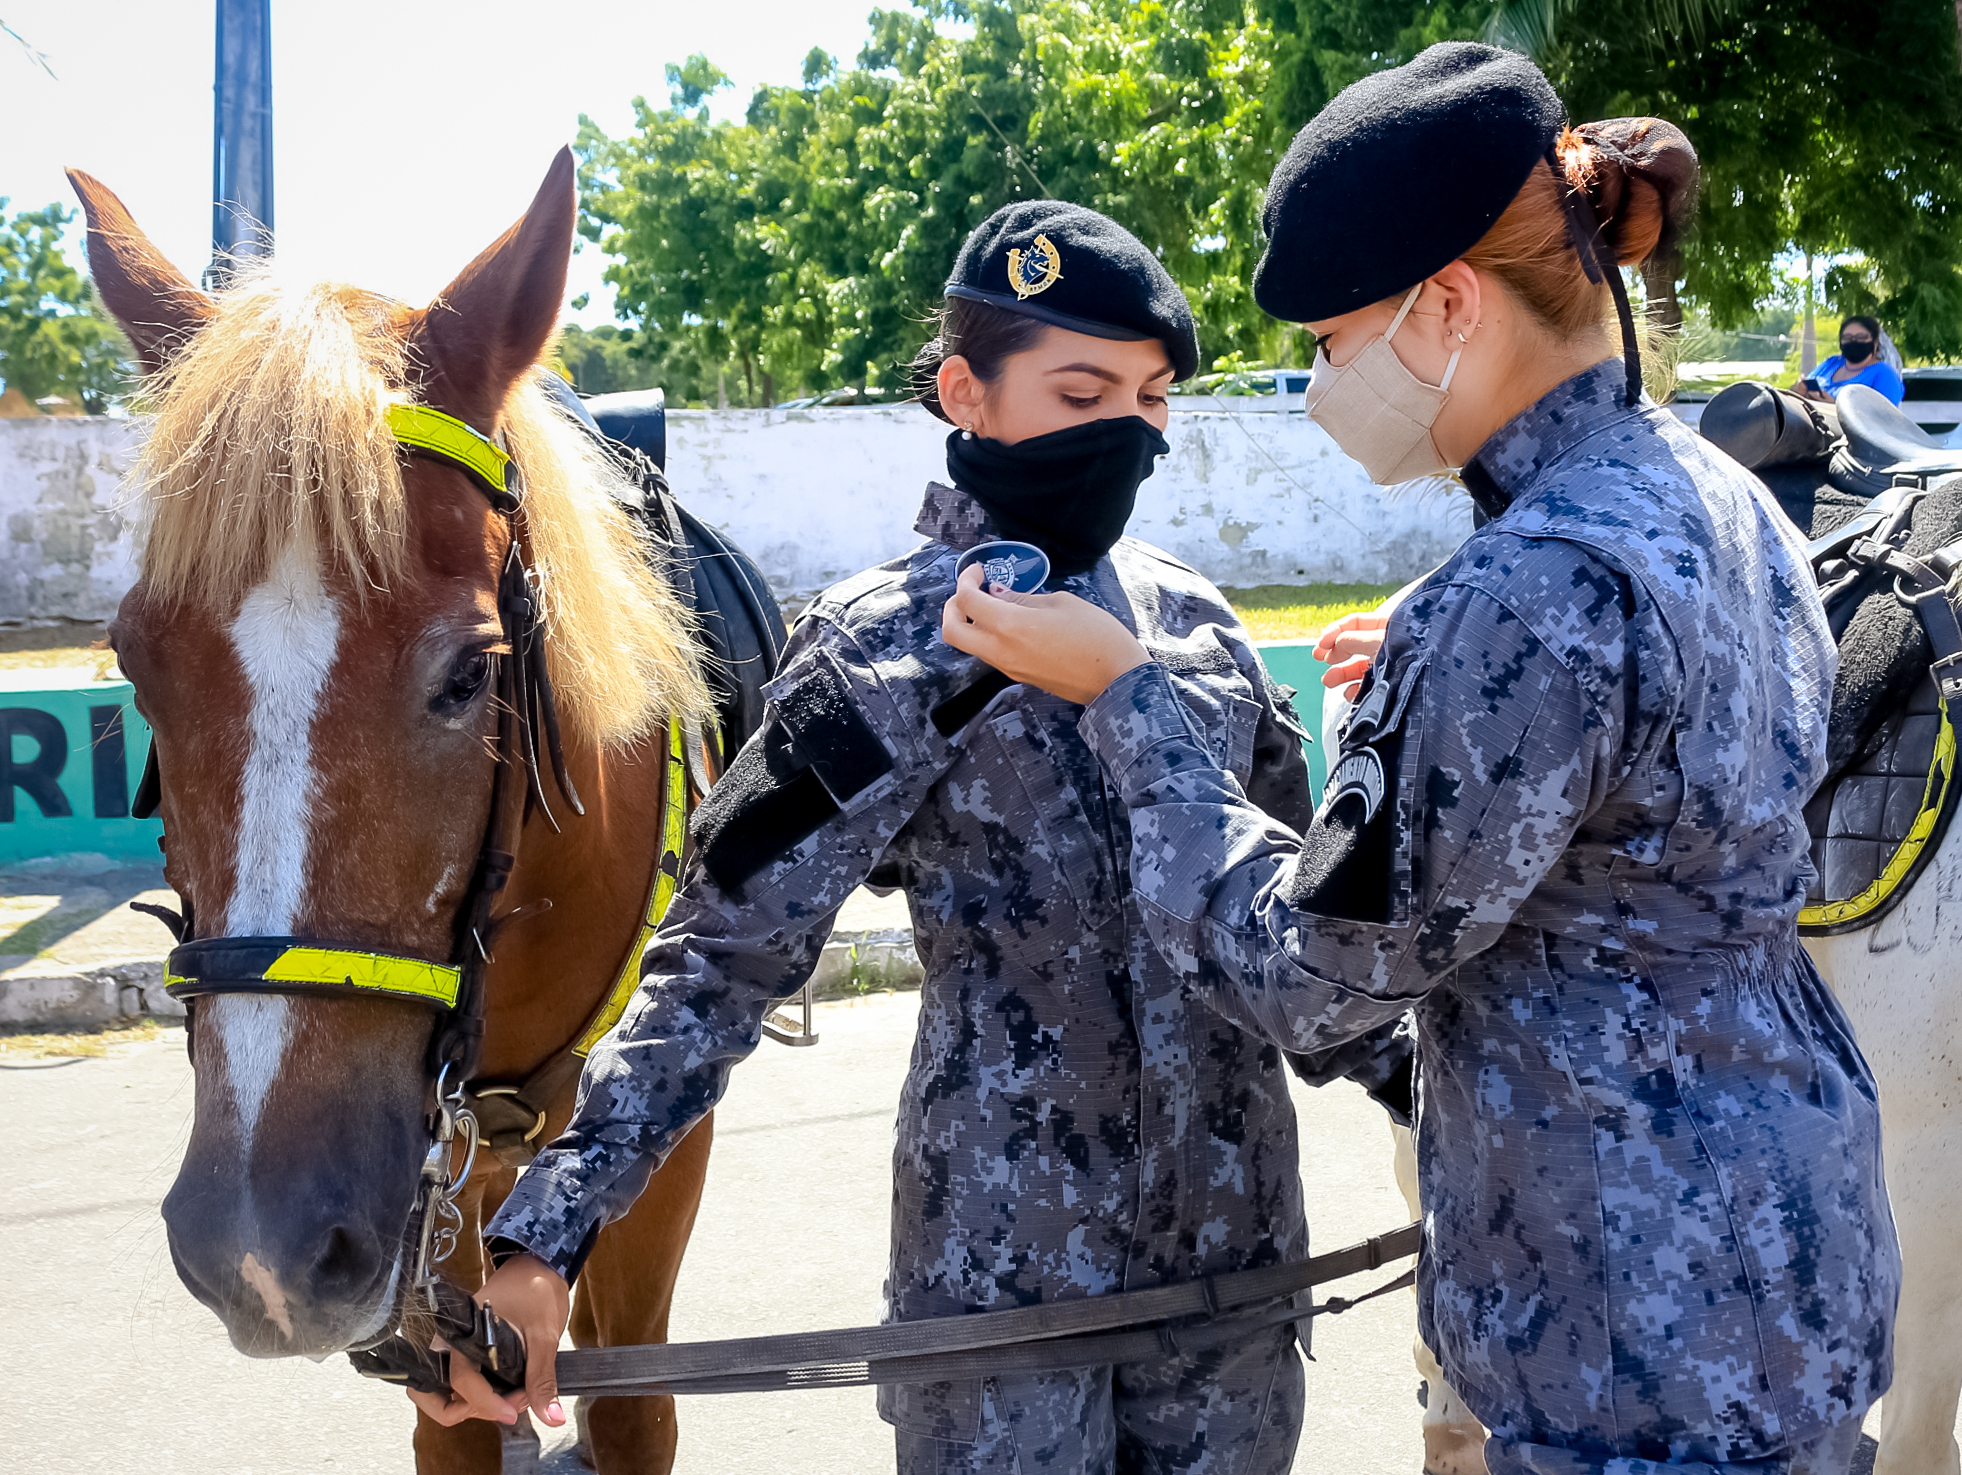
x=1641, y=174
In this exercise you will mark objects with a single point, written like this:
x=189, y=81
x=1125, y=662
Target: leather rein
x=509, y=1118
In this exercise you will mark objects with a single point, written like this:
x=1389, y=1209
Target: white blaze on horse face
x=286, y=634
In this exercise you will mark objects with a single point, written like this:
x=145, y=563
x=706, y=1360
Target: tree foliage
x=805, y=247
x=53, y=340
x=1823, y=127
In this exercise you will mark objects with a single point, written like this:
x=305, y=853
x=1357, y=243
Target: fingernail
x=553, y=1413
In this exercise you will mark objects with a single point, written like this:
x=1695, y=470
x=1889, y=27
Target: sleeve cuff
x=547, y=1215
x=1140, y=731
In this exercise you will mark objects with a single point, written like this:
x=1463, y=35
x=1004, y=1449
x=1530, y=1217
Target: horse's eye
x=469, y=675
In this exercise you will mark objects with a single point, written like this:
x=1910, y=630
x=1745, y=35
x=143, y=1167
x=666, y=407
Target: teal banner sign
x=1293, y=663
x=71, y=753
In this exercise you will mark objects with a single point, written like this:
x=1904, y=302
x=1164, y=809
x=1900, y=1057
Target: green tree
x=807, y=246
x=1822, y=128
x=607, y=360
x=53, y=340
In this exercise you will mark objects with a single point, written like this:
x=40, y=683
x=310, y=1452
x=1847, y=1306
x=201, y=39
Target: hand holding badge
x=1007, y=567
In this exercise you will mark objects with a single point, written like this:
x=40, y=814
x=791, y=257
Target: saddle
x=741, y=626
x=1883, y=507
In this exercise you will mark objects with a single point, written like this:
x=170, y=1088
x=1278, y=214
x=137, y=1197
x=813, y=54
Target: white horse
x=1897, y=981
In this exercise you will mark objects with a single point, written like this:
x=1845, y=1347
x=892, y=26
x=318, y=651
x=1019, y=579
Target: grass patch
x=63, y=645
x=1300, y=611
x=105, y=1040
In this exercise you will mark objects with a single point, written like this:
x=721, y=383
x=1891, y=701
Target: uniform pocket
x=1069, y=813
x=949, y=1411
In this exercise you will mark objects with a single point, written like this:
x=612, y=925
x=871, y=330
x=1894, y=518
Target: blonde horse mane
x=270, y=438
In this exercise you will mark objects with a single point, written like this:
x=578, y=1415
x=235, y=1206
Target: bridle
x=527, y=722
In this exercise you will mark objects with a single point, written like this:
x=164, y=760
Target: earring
x=967, y=431
x=1463, y=339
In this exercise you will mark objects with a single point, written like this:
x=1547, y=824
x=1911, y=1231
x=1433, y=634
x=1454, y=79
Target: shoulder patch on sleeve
x=830, y=732
x=815, y=754
x=768, y=801
x=1355, y=860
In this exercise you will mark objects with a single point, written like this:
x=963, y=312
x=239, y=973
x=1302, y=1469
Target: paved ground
x=115, y=1368
x=112, y=1367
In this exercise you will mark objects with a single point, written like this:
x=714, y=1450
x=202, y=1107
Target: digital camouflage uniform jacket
x=1648, y=1145
x=1074, y=1122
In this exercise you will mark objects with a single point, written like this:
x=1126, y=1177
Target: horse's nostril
x=344, y=1260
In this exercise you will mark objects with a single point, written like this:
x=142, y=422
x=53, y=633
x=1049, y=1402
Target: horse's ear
x=158, y=308
x=492, y=323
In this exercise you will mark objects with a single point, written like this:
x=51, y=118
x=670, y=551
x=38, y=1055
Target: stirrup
x=786, y=1031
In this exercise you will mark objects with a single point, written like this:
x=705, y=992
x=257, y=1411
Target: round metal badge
x=1020, y=567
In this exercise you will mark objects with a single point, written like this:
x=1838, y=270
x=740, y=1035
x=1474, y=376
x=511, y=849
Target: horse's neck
x=552, y=968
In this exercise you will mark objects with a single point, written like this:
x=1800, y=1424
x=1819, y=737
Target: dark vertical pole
x=241, y=137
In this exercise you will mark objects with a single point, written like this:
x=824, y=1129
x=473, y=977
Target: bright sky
x=406, y=135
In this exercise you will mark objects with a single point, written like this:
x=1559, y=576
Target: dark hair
x=979, y=332
x=1870, y=324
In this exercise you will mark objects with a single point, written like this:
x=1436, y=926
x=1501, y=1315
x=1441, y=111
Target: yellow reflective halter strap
x=667, y=878
x=200, y=967
x=435, y=983
x=430, y=430
x=1934, y=795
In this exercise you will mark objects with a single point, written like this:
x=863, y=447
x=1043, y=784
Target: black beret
x=1062, y=264
x=1399, y=176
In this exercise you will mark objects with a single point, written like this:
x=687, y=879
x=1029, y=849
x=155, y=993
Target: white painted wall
x=65, y=553
x=1246, y=497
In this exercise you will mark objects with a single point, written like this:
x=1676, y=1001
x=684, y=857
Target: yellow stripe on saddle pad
x=411, y=977
x=1933, y=797
x=667, y=878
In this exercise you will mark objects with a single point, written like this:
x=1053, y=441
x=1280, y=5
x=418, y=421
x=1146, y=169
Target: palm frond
x=1533, y=26
x=34, y=53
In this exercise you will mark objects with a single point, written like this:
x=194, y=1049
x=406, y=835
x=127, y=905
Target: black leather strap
x=1078, y=1333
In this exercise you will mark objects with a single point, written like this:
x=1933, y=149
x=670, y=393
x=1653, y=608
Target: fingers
x=1349, y=644
x=1347, y=673
x=537, y=1302
x=1349, y=626
x=470, y=1397
x=542, y=1385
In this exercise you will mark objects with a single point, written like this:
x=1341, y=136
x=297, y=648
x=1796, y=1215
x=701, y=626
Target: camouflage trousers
x=1830, y=1454
x=1234, y=1410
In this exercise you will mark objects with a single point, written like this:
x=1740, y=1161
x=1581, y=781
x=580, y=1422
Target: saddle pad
x=1859, y=820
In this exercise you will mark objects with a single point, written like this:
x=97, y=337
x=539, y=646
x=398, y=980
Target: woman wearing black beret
x=1564, y=828
x=1074, y=1123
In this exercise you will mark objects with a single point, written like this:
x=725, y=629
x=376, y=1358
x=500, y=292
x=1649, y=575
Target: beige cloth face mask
x=1377, y=411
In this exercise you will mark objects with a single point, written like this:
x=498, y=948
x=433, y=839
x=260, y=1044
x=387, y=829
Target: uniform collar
x=950, y=516
x=1534, y=439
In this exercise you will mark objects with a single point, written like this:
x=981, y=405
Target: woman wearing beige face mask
x=1564, y=826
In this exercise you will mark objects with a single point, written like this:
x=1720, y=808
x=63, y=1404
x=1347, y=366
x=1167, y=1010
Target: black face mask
x=1855, y=353
x=1069, y=492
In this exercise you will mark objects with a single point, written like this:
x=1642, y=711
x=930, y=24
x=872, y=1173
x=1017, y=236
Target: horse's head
x=315, y=640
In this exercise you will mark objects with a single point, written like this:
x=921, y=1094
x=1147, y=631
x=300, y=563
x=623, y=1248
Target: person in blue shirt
x=1857, y=362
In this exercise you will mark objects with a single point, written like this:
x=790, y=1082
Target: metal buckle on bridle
x=441, y=1221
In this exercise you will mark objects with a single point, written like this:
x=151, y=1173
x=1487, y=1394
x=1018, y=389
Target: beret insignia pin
x=1035, y=270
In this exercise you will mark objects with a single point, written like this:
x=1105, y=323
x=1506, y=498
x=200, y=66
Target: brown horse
x=318, y=644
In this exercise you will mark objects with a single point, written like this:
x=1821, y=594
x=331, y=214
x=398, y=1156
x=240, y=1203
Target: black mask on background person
x=1855, y=351
x=1069, y=492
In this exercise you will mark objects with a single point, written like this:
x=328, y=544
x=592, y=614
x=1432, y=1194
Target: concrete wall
x=65, y=554
x=1247, y=497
